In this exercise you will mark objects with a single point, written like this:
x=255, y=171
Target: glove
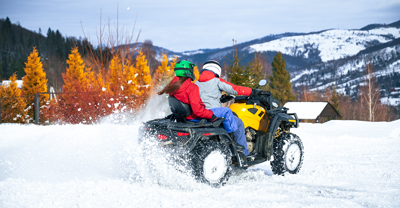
x=213, y=118
x=225, y=98
x=255, y=92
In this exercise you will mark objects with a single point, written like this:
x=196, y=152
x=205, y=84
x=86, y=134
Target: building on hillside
x=312, y=110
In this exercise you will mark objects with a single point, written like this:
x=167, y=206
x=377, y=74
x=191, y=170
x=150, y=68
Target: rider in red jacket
x=189, y=93
x=185, y=91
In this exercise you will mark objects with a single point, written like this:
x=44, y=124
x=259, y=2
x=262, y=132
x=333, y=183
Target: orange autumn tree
x=75, y=78
x=170, y=73
x=80, y=102
x=163, y=68
x=143, y=76
x=12, y=105
x=129, y=85
x=196, y=73
x=165, y=73
x=120, y=82
x=34, y=82
x=115, y=75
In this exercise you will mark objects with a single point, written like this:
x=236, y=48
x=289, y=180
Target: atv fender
x=267, y=137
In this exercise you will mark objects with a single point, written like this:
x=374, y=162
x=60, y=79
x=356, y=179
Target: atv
x=211, y=152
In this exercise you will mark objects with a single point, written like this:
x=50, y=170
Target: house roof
x=311, y=110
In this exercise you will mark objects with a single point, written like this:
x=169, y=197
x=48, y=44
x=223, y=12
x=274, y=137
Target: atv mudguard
x=199, y=133
x=268, y=127
x=196, y=130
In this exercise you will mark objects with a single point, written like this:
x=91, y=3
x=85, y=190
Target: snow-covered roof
x=311, y=110
x=7, y=82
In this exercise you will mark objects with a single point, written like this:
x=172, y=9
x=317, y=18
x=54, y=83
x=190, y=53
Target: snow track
x=346, y=164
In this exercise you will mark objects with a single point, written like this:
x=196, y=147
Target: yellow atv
x=211, y=151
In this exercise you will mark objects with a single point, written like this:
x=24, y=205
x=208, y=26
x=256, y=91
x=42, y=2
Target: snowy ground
x=346, y=164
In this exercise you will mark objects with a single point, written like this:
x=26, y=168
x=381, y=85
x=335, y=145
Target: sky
x=180, y=25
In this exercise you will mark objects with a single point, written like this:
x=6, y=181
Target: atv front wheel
x=288, y=154
x=211, y=162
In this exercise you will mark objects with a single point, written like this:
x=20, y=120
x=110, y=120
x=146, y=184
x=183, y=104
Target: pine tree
x=279, y=84
x=12, y=105
x=255, y=71
x=236, y=71
x=34, y=82
x=335, y=99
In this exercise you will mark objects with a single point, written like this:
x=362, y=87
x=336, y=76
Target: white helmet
x=213, y=66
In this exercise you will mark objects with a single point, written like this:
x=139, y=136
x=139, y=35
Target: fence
x=83, y=107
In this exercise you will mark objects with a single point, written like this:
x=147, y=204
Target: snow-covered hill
x=331, y=44
x=347, y=163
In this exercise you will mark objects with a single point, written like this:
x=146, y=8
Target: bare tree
x=370, y=92
x=119, y=41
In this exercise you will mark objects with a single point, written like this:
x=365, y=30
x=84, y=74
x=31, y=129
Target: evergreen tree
x=335, y=99
x=279, y=84
x=255, y=71
x=34, y=82
x=12, y=105
x=236, y=71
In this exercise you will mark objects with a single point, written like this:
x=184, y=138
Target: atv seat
x=179, y=109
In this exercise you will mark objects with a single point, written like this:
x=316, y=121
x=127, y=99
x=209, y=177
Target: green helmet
x=184, y=69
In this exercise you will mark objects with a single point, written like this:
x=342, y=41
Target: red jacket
x=189, y=93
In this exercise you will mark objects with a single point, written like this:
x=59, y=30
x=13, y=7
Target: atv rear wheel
x=211, y=162
x=288, y=154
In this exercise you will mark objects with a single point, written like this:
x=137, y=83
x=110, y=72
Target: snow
x=391, y=101
x=305, y=72
x=7, y=82
x=346, y=164
x=190, y=53
x=331, y=44
x=306, y=110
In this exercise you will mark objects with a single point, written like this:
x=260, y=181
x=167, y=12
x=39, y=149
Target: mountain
x=316, y=60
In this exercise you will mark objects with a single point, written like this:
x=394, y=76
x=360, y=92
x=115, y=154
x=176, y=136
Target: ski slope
x=346, y=164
